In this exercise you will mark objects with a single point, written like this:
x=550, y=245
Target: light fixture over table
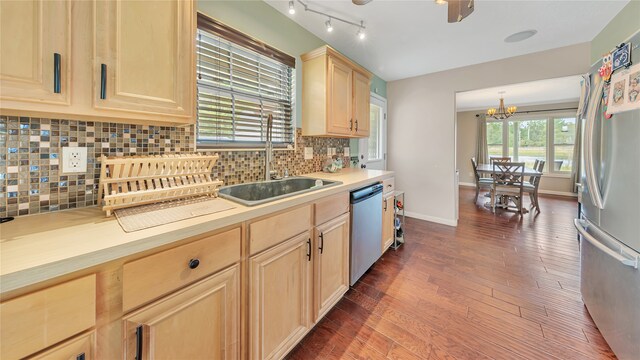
x=502, y=113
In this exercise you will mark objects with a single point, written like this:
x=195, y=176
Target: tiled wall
x=31, y=181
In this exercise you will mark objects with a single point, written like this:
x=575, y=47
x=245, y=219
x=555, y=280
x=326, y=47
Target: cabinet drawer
x=155, y=275
x=80, y=347
x=331, y=207
x=276, y=229
x=38, y=320
x=389, y=185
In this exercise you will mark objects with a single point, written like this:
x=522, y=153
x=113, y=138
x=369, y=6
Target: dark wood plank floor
x=495, y=287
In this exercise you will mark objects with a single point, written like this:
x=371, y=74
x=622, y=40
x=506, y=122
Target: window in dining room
x=527, y=139
x=564, y=133
x=494, y=138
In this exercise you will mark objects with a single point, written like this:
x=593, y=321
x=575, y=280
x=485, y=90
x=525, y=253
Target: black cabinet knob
x=193, y=263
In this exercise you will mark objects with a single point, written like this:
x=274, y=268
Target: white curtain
x=482, y=149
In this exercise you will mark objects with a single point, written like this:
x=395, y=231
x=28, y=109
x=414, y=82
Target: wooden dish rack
x=137, y=180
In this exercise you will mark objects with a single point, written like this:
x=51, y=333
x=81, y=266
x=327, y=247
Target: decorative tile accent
x=31, y=181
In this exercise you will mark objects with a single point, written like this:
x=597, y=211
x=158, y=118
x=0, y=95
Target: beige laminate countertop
x=42, y=247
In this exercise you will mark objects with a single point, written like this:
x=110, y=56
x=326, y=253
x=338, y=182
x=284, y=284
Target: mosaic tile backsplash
x=31, y=180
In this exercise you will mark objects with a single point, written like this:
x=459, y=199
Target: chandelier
x=501, y=112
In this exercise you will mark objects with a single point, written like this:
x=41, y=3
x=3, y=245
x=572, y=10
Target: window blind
x=237, y=89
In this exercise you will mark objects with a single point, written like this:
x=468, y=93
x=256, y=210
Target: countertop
x=41, y=247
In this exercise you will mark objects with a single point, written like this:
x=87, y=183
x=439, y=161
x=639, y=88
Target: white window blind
x=237, y=90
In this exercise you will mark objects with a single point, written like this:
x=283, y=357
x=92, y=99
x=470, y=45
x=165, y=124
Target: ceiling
x=558, y=90
x=410, y=38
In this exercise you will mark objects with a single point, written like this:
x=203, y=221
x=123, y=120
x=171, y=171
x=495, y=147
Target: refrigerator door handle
x=581, y=226
x=592, y=111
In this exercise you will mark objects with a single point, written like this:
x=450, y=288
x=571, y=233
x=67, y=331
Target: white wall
x=421, y=122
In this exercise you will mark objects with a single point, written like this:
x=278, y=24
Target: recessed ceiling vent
x=520, y=36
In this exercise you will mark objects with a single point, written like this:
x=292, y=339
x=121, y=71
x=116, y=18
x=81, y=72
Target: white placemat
x=147, y=216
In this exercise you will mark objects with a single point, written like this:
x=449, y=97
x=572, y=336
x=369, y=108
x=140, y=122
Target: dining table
x=488, y=169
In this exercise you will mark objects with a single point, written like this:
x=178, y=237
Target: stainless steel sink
x=256, y=193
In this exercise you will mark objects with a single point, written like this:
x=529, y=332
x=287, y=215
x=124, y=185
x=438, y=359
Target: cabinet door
x=79, y=348
x=145, y=54
x=331, y=263
x=31, y=33
x=340, y=116
x=388, y=218
x=201, y=321
x=280, y=297
x=361, y=100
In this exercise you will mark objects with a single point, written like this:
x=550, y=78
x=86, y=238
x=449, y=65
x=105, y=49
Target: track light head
x=292, y=8
x=361, y=34
x=328, y=25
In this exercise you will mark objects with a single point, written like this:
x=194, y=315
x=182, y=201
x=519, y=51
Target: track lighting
x=361, y=34
x=328, y=25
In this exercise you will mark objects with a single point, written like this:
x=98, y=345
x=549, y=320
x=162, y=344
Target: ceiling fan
x=458, y=9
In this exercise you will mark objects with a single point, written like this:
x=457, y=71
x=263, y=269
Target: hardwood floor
x=495, y=287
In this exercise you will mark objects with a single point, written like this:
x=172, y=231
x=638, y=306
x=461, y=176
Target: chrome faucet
x=268, y=149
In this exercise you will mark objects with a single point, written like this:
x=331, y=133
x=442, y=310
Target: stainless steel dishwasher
x=366, y=229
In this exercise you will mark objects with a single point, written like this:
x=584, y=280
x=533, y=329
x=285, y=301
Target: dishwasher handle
x=366, y=193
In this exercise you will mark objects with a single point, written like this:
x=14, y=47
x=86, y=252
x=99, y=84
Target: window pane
x=494, y=138
x=529, y=141
x=564, y=131
x=375, y=143
x=237, y=90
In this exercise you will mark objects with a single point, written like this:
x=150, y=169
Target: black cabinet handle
x=309, y=249
x=321, y=242
x=139, y=343
x=356, y=124
x=57, y=59
x=103, y=81
x=193, y=263
x=80, y=357
x=351, y=127
x=385, y=205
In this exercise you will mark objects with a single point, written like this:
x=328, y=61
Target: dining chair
x=480, y=181
x=531, y=187
x=499, y=159
x=508, y=181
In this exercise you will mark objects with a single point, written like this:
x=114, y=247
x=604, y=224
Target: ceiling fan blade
x=459, y=9
x=361, y=2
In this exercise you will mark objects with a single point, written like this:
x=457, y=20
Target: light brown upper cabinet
x=35, y=51
x=120, y=61
x=335, y=95
x=144, y=57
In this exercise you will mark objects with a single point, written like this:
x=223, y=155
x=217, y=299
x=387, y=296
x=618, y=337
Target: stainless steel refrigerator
x=609, y=223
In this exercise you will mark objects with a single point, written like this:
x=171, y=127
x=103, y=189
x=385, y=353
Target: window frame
x=549, y=118
x=245, y=43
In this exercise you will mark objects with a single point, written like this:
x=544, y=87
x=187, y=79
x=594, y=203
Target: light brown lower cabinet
x=201, y=321
x=331, y=263
x=388, y=218
x=280, y=297
x=78, y=348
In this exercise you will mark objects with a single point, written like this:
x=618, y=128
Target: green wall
x=261, y=21
x=625, y=24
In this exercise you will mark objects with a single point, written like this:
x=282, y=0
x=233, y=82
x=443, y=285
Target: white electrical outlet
x=347, y=151
x=328, y=151
x=308, y=153
x=74, y=159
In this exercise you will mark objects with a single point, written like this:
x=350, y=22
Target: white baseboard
x=434, y=219
x=547, y=192
x=559, y=193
